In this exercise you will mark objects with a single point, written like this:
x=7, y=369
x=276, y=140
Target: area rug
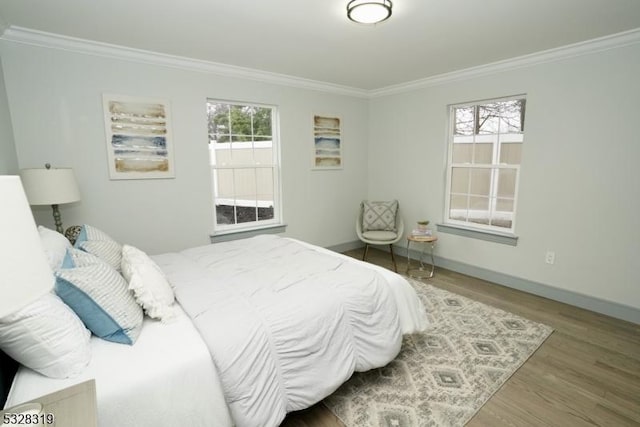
x=444, y=375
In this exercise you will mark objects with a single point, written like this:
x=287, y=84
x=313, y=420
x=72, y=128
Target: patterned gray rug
x=444, y=375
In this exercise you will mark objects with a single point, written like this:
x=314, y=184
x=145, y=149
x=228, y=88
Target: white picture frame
x=138, y=137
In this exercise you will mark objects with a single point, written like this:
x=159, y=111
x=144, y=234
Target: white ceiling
x=313, y=39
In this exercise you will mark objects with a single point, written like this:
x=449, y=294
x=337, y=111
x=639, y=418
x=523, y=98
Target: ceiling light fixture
x=369, y=11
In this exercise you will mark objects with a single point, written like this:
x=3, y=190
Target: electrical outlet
x=550, y=257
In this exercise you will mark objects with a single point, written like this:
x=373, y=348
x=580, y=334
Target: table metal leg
x=421, y=272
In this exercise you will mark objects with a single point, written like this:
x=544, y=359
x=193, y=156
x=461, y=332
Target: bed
x=261, y=327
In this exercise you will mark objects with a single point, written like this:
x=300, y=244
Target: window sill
x=489, y=236
x=225, y=236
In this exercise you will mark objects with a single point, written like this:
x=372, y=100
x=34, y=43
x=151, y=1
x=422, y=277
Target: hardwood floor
x=587, y=373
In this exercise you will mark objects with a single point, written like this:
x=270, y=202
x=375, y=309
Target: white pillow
x=47, y=337
x=148, y=283
x=55, y=246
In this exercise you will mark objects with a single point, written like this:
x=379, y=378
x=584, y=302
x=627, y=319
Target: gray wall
x=8, y=159
x=579, y=193
x=55, y=96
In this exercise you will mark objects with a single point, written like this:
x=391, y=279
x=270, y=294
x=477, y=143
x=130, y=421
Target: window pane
x=488, y=118
x=263, y=155
x=464, y=121
x=240, y=120
x=218, y=122
x=265, y=193
x=504, y=205
x=247, y=212
x=223, y=179
x=501, y=222
x=224, y=200
x=481, y=182
x=225, y=214
x=241, y=155
x=241, y=138
x=458, y=207
x=462, y=153
x=511, y=116
x=460, y=180
x=511, y=154
x=245, y=184
x=265, y=185
x=479, y=210
x=507, y=183
x=262, y=122
x=480, y=204
x=458, y=202
x=483, y=154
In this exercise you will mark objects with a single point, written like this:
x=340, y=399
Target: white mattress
x=166, y=379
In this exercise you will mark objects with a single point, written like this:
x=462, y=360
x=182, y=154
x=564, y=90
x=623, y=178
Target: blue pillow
x=100, y=297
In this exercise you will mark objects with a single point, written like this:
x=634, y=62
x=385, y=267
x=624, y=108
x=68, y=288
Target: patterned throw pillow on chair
x=379, y=216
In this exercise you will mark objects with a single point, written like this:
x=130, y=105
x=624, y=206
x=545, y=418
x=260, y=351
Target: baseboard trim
x=608, y=308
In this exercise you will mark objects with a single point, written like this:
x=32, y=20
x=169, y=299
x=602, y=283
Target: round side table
x=421, y=272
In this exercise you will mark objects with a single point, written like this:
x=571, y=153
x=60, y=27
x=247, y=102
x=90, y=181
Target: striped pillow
x=100, y=297
x=100, y=244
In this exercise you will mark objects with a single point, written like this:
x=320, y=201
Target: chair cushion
x=379, y=216
x=383, y=236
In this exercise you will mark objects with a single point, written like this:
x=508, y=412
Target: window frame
x=274, y=166
x=475, y=229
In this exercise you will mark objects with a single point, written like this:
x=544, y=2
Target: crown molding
x=577, y=49
x=88, y=47
x=55, y=41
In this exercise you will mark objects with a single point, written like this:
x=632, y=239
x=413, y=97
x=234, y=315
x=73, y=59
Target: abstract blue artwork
x=327, y=143
x=139, y=142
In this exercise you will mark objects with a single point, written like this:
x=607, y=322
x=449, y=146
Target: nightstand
x=73, y=406
x=421, y=272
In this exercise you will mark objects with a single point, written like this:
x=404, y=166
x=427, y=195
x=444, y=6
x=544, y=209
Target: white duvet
x=286, y=323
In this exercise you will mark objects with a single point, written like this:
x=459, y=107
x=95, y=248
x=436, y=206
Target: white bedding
x=287, y=323
x=168, y=379
x=165, y=379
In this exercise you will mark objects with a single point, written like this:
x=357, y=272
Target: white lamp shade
x=25, y=274
x=50, y=186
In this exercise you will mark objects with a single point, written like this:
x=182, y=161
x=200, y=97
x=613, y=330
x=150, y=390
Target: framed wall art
x=327, y=142
x=139, y=139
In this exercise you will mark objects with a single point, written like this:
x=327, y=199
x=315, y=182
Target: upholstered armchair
x=379, y=223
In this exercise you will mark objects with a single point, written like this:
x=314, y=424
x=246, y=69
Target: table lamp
x=25, y=274
x=50, y=186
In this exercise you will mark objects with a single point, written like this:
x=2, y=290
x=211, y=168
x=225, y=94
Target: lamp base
x=57, y=219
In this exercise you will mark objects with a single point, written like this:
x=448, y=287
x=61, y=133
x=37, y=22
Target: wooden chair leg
x=395, y=267
x=366, y=249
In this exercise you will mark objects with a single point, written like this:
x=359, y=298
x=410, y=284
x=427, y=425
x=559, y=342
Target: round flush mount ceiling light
x=369, y=11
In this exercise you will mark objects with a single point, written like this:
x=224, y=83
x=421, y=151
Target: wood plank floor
x=587, y=373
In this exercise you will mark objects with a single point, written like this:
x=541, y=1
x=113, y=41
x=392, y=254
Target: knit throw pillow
x=379, y=216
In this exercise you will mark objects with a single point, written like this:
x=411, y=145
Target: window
x=485, y=152
x=243, y=148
